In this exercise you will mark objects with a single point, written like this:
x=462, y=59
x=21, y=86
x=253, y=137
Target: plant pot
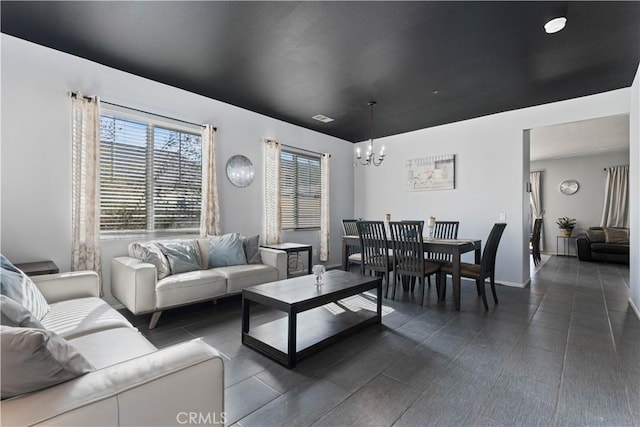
x=566, y=232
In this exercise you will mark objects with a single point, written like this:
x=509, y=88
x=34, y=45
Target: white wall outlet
x=503, y=216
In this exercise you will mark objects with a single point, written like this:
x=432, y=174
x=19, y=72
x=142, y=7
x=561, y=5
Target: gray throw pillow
x=183, y=255
x=20, y=288
x=151, y=253
x=226, y=250
x=616, y=235
x=596, y=235
x=14, y=314
x=252, y=249
x=33, y=359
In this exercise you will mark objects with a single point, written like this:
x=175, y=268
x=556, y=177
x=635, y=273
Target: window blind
x=150, y=176
x=300, y=191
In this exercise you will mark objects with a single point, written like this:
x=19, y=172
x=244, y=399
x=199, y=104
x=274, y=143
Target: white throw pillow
x=20, y=288
x=33, y=359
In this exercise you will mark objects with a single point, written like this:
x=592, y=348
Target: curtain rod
x=619, y=166
x=75, y=95
x=305, y=150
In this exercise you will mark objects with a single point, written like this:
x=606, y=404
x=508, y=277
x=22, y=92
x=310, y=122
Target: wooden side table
x=38, y=268
x=293, y=248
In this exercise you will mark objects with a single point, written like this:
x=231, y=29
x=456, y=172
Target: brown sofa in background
x=606, y=244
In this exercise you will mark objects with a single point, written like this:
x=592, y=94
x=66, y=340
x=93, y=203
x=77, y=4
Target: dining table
x=454, y=247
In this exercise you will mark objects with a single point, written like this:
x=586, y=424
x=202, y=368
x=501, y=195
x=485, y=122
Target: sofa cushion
x=189, y=287
x=151, y=253
x=33, y=359
x=14, y=314
x=610, y=248
x=20, y=288
x=252, y=249
x=112, y=346
x=616, y=235
x=240, y=276
x=226, y=250
x=595, y=234
x=81, y=316
x=183, y=255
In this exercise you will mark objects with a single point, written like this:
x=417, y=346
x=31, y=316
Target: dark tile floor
x=563, y=351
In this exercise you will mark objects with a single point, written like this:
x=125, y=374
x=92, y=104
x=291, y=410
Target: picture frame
x=431, y=173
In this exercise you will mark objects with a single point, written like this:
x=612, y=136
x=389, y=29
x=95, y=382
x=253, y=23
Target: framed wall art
x=431, y=173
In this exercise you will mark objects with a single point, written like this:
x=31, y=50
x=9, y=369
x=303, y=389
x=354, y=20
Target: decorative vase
x=566, y=232
x=318, y=270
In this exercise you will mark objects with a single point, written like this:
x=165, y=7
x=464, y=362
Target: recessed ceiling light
x=322, y=118
x=555, y=25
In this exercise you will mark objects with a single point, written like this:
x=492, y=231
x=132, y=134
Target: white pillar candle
x=432, y=221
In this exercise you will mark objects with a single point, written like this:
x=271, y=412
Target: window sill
x=151, y=235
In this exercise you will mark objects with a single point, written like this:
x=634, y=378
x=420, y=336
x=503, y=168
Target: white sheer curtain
x=616, y=198
x=535, y=197
x=272, y=192
x=210, y=213
x=325, y=214
x=85, y=169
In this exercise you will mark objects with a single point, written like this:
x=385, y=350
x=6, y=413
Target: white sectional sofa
x=133, y=383
x=138, y=285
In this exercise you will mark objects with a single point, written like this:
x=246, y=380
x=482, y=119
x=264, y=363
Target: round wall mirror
x=240, y=171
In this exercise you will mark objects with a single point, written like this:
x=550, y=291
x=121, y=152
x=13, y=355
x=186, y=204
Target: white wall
x=36, y=155
x=490, y=171
x=585, y=205
x=634, y=188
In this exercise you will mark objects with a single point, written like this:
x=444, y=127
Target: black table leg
x=246, y=307
x=291, y=356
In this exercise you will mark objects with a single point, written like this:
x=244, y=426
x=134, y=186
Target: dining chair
x=478, y=272
x=374, y=248
x=353, y=251
x=443, y=230
x=535, y=241
x=408, y=254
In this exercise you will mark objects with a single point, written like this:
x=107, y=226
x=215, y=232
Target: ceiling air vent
x=322, y=118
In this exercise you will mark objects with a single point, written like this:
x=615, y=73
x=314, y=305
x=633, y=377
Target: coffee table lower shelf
x=316, y=329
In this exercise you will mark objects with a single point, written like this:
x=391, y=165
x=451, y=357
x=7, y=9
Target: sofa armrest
x=275, y=258
x=583, y=245
x=65, y=286
x=133, y=283
x=160, y=388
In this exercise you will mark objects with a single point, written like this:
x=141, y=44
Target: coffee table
x=317, y=316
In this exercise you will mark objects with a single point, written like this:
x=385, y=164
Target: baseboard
x=513, y=284
x=499, y=282
x=635, y=309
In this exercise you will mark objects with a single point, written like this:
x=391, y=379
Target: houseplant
x=566, y=225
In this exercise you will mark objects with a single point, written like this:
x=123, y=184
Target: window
x=300, y=191
x=150, y=176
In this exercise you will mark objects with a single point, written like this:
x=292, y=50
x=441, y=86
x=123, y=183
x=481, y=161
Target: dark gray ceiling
x=425, y=63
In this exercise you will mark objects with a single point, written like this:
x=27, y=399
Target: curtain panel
x=272, y=192
x=325, y=213
x=85, y=201
x=210, y=212
x=615, y=212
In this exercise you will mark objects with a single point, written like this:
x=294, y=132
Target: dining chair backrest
x=349, y=227
x=414, y=220
x=444, y=230
x=408, y=246
x=535, y=241
x=373, y=245
x=488, y=263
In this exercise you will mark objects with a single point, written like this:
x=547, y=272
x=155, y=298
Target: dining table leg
x=345, y=250
x=455, y=279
